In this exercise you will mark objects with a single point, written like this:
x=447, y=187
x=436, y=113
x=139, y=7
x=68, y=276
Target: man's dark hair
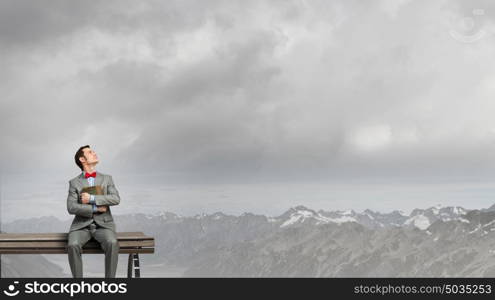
x=80, y=153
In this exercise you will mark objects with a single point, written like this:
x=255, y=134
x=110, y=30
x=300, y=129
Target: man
x=93, y=217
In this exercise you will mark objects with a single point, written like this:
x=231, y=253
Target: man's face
x=90, y=157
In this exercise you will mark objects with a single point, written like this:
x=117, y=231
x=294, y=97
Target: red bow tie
x=87, y=175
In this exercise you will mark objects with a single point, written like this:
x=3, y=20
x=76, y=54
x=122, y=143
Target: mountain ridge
x=436, y=241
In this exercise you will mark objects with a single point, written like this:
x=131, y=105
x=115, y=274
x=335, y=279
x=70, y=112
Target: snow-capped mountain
x=462, y=247
x=300, y=214
x=420, y=218
x=423, y=218
x=437, y=241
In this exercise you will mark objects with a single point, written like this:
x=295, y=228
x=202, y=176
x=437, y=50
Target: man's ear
x=82, y=159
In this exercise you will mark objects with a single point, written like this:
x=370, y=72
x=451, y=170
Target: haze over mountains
x=302, y=242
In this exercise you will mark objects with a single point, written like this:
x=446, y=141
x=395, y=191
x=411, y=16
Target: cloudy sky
x=255, y=106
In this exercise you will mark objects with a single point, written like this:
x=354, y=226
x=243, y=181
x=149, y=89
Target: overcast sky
x=395, y=95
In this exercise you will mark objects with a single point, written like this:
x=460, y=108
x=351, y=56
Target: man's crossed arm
x=85, y=208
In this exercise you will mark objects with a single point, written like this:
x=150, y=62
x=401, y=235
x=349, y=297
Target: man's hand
x=85, y=198
x=102, y=208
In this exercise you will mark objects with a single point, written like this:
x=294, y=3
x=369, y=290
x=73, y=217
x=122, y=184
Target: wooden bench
x=132, y=243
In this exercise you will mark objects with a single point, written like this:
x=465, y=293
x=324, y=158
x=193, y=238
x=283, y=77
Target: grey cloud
x=29, y=23
x=289, y=89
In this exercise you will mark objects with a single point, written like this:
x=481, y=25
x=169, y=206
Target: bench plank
x=30, y=243
x=62, y=244
x=63, y=236
x=64, y=251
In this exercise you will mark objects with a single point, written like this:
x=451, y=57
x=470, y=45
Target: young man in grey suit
x=93, y=217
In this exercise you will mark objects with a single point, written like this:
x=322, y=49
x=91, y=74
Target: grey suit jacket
x=84, y=212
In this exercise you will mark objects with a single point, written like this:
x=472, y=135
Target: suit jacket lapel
x=98, y=179
x=83, y=181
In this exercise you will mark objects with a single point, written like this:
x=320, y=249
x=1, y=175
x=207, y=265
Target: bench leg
x=133, y=263
x=129, y=266
x=137, y=270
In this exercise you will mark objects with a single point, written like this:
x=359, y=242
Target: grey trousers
x=108, y=241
